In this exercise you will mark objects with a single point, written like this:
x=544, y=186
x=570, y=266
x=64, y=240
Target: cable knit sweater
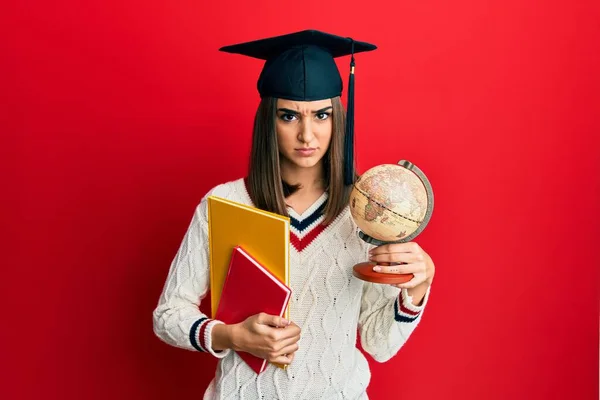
x=328, y=303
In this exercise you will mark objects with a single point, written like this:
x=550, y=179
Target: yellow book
x=264, y=235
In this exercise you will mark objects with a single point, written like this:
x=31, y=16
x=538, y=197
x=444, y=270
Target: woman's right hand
x=266, y=336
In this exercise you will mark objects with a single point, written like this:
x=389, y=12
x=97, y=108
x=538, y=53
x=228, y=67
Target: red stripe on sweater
x=404, y=309
x=201, y=335
x=300, y=244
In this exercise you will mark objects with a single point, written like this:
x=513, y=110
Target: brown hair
x=265, y=185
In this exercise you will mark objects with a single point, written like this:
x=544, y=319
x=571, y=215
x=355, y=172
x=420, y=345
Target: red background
x=118, y=117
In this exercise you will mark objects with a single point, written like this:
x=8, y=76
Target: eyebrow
x=288, y=111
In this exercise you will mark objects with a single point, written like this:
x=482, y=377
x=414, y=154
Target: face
x=303, y=131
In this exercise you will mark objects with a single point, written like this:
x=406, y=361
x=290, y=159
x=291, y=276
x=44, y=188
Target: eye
x=288, y=117
x=322, y=116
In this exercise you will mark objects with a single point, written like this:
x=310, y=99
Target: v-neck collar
x=318, y=205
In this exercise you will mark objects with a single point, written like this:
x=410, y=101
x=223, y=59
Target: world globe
x=391, y=203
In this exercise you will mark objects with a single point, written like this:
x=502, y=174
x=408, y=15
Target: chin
x=307, y=163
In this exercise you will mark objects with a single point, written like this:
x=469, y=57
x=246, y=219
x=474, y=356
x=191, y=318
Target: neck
x=309, y=179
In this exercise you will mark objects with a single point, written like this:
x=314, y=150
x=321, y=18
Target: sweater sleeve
x=387, y=319
x=177, y=318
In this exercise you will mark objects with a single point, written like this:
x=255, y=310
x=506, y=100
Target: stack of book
x=249, y=264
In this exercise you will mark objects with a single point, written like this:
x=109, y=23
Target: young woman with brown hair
x=302, y=166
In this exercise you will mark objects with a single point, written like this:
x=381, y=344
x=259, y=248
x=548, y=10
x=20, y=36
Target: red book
x=250, y=289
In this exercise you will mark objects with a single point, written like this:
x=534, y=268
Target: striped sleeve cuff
x=201, y=336
x=405, y=310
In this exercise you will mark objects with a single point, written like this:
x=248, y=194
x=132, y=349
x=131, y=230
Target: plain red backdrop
x=119, y=116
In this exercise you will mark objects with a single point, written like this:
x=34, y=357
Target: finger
x=282, y=344
x=292, y=330
x=285, y=359
x=415, y=281
x=397, y=257
x=291, y=349
x=272, y=320
x=286, y=333
x=408, y=247
x=284, y=354
x=399, y=269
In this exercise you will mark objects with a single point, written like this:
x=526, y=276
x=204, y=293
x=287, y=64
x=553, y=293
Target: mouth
x=306, y=151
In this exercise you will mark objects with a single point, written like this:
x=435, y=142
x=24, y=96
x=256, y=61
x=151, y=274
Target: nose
x=306, y=135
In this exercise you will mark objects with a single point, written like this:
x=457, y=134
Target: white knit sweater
x=328, y=303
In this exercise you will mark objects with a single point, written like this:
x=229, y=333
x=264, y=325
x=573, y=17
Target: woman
x=301, y=166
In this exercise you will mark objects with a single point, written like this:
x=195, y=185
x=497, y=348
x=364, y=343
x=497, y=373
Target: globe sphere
x=389, y=202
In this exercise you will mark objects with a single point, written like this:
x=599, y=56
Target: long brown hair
x=265, y=185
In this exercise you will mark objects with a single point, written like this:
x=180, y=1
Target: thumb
x=272, y=320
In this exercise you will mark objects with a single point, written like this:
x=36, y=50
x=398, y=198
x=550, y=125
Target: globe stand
x=364, y=271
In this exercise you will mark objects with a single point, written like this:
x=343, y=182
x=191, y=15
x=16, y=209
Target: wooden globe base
x=364, y=271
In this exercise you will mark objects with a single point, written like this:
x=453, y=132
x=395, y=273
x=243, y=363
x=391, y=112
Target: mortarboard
x=300, y=66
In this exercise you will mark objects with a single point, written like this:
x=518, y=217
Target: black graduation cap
x=300, y=66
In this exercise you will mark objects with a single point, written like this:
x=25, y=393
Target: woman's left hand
x=414, y=260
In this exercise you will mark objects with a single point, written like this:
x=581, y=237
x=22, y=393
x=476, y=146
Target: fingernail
x=377, y=269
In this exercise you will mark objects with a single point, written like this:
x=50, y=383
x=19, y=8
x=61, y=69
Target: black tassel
x=349, y=142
